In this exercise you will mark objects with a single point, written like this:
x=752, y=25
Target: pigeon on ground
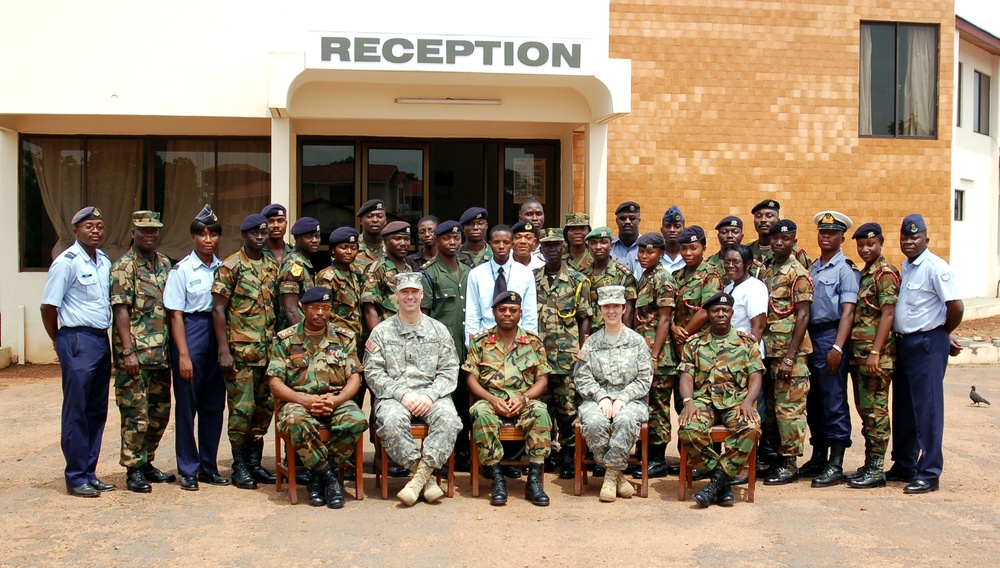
x=976, y=399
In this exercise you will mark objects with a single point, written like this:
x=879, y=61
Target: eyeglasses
x=732, y=262
x=628, y=218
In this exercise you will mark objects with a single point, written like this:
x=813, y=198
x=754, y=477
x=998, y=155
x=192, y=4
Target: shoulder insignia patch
x=371, y=279
x=581, y=355
x=371, y=346
x=71, y=255
x=946, y=276
x=523, y=340
x=286, y=333
x=296, y=270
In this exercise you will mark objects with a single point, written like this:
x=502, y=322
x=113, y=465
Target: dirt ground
x=986, y=328
x=793, y=525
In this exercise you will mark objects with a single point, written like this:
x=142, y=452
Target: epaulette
x=174, y=267
x=480, y=335
x=70, y=255
x=286, y=333
x=344, y=331
x=746, y=336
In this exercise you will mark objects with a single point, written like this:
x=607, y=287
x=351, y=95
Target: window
x=898, y=83
x=959, y=205
x=958, y=100
x=61, y=174
x=981, y=103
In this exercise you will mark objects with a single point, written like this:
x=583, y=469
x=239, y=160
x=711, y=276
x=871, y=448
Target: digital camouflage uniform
x=379, y=288
x=317, y=367
x=615, y=274
x=721, y=368
x=367, y=255
x=561, y=302
x=444, y=297
x=622, y=370
x=250, y=320
x=789, y=284
x=143, y=400
x=694, y=287
x=346, y=288
x=469, y=258
x=419, y=359
x=579, y=263
x=657, y=289
x=508, y=374
x=295, y=276
x=879, y=287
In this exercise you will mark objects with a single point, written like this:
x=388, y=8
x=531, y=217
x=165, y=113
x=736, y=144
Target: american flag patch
x=371, y=346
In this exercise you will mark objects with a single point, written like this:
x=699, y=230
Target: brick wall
x=736, y=101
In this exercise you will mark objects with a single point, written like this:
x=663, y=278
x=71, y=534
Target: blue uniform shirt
x=835, y=284
x=189, y=285
x=80, y=288
x=479, y=296
x=671, y=265
x=926, y=284
x=629, y=256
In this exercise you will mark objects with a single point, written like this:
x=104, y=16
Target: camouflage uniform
x=762, y=256
x=143, y=400
x=419, y=359
x=579, y=263
x=295, y=276
x=250, y=321
x=789, y=284
x=346, y=290
x=657, y=290
x=721, y=368
x=622, y=370
x=379, y=288
x=615, y=274
x=563, y=299
x=694, y=287
x=471, y=259
x=270, y=254
x=317, y=367
x=367, y=255
x=879, y=287
x=508, y=374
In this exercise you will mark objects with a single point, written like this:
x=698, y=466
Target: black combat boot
x=657, y=462
x=533, y=488
x=567, y=469
x=710, y=492
x=154, y=475
x=332, y=491
x=786, y=472
x=861, y=470
x=817, y=462
x=833, y=473
x=872, y=476
x=135, y=481
x=315, y=490
x=241, y=475
x=725, y=498
x=499, y=495
x=255, y=451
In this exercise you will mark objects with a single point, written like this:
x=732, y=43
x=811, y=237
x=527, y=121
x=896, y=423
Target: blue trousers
x=827, y=411
x=85, y=360
x=918, y=404
x=204, y=397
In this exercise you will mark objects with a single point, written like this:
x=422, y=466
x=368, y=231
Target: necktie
x=501, y=283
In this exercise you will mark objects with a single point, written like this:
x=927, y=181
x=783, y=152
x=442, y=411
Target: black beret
x=783, y=226
x=650, y=240
x=87, y=214
x=273, y=210
x=448, y=228
x=692, y=234
x=508, y=297
x=304, y=226
x=766, y=204
x=523, y=227
x=371, y=205
x=868, y=231
x=473, y=213
x=730, y=221
x=396, y=228
x=720, y=298
x=342, y=235
x=628, y=207
x=316, y=294
x=253, y=221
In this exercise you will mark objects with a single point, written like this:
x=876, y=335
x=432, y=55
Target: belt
x=197, y=314
x=915, y=333
x=824, y=326
x=89, y=330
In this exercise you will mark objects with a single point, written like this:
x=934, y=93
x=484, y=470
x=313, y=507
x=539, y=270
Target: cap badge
x=827, y=219
x=913, y=227
x=527, y=226
x=97, y=212
x=378, y=206
x=871, y=234
x=784, y=229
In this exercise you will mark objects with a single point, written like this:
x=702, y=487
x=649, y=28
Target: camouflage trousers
x=659, y=409
x=697, y=434
x=144, y=403
x=871, y=398
x=786, y=406
x=248, y=395
x=346, y=424
x=534, y=421
x=612, y=440
x=560, y=398
x=392, y=423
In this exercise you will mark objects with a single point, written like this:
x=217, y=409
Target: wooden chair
x=288, y=471
x=719, y=434
x=509, y=432
x=419, y=430
x=581, y=463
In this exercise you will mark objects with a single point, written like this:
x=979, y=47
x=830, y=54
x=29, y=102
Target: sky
x=983, y=14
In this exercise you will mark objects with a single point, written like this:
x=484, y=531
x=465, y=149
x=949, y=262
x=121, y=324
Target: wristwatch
x=127, y=352
x=687, y=400
x=789, y=362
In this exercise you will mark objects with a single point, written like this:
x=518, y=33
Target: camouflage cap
x=406, y=280
x=599, y=233
x=146, y=219
x=551, y=236
x=87, y=214
x=610, y=295
x=316, y=294
x=577, y=220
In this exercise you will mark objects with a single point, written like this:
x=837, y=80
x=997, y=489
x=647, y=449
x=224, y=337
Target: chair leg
x=752, y=475
x=359, y=479
x=277, y=460
x=682, y=481
x=644, y=488
x=581, y=471
x=451, y=475
x=384, y=466
x=474, y=467
x=293, y=493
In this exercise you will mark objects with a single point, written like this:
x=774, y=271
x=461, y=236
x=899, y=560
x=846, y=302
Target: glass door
x=395, y=174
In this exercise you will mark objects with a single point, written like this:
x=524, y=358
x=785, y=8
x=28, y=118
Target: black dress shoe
x=895, y=475
x=135, y=481
x=213, y=479
x=189, y=483
x=154, y=475
x=398, y=471
x=101, y=486
x=656, y=469
x=84, y=490
x=600, y=471
x=673, y=470
x=567, y=470
x=741, y=479
x=633, y=470
x=918, y=486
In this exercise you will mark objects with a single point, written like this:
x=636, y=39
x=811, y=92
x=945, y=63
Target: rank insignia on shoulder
x=286, y=333
x=296, y=270
x=371, y=279
x=523, y=340
x=371, y=346
x=493, y=339
x=581, y=355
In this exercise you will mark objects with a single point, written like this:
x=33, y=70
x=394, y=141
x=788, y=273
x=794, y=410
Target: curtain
x=114, y=185
x=185, y=192
x=865, y=86
x=58, y=164
x=243, y=178
x=918, y=85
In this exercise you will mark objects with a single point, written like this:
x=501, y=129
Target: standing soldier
x=76, y=312
x=696, y=282
x=277, y=224
x=564, y=324
x=474, y=224
x=371, y=248
x=313, y=372
x=606, y=271
x=344, y=279
x=730, y=231
x=624, y=248
x=671, y=227
x=508, y=370
x=243, y=314
x=525, y=234
x=613, y=374
x=531, y=211
x=830, y=319
x=577, y=255
x=141, y=344
x=720, y=373
x=765, y=215
x=295, y=274
x=787, y=347
x=654, y=304
x=427, y=250
x=873, y=352
x=378, y=300
x=412, y=367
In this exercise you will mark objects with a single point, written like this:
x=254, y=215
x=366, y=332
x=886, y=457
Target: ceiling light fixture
x=446, y=101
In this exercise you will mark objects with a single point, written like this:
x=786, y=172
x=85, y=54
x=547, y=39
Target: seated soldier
x=313, y=373
x=613, y=373
x=508, y=370
x=720, y=374
x=412, y=368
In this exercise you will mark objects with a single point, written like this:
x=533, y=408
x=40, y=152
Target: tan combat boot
x=610, y=488
x=411, y=491
x=432, y=492
x=625, y=489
